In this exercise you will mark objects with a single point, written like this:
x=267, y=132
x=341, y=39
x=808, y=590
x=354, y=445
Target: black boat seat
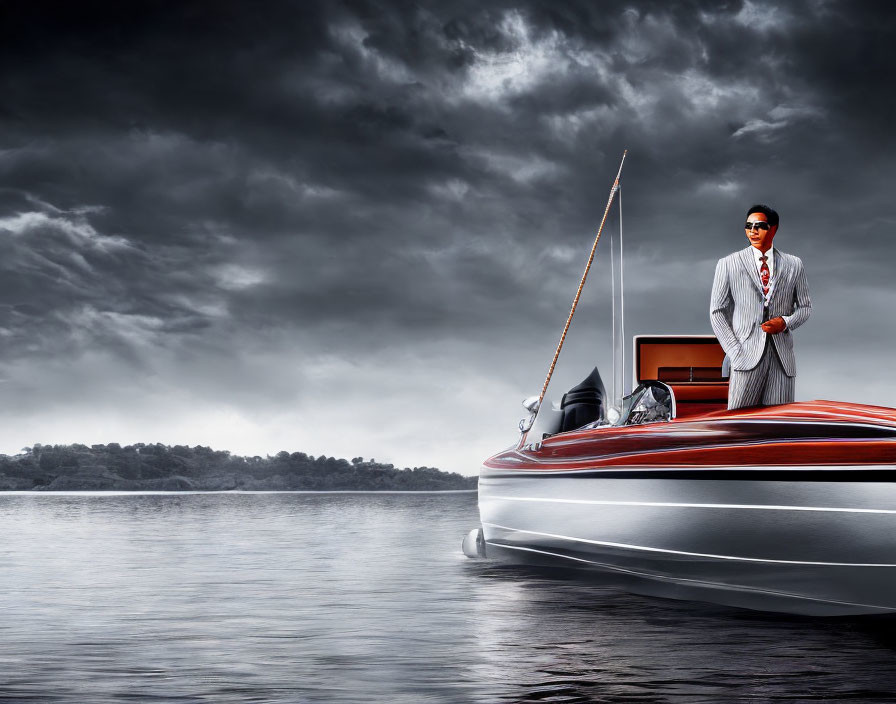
x=583, y=403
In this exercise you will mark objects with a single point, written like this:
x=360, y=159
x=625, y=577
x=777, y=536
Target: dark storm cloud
x=203, y=194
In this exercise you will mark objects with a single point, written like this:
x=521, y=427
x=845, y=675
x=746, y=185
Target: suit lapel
x=747, y=263
x=782, y=273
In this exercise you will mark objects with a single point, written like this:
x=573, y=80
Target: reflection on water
x=578, y=641
x=367, y=598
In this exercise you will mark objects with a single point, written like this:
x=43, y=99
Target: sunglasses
x=759, y=224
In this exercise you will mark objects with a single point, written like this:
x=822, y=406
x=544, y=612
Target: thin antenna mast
x=613, y=341
x=621, y=298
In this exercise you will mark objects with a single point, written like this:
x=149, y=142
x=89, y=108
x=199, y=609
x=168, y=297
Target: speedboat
x=783, y=508
x=664, y=491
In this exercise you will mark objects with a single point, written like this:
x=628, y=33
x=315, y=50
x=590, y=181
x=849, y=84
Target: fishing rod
x=575, y=300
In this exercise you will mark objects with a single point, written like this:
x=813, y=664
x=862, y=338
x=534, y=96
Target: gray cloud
x=251, y=226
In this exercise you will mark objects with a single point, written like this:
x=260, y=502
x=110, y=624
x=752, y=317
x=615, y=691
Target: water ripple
x=366, y=598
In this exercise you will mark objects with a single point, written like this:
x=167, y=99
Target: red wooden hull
x=798, y=435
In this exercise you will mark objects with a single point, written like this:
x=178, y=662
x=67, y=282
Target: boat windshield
x=651, y=402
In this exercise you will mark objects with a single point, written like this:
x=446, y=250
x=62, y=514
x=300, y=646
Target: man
x=759, y=297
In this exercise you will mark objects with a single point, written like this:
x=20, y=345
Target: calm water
x=367, y=598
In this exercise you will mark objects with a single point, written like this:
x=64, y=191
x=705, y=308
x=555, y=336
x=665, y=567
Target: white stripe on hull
x=757, y=507
x=753, y=597
x=685, y=553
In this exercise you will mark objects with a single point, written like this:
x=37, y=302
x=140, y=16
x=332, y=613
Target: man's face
x=759, y=232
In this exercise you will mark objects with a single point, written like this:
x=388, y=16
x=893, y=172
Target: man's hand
x=774, y=326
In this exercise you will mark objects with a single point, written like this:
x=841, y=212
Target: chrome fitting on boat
x=474, y=543
x=531, y=404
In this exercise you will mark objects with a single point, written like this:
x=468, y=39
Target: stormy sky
x=355, y=228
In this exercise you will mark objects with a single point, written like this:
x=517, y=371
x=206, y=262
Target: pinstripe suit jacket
x=736, y=307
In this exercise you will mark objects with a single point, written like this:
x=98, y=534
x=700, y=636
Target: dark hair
x=769, y=213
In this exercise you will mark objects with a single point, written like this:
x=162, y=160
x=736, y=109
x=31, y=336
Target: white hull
x=809, y=547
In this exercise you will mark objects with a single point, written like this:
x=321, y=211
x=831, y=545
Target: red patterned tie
x=764, y=273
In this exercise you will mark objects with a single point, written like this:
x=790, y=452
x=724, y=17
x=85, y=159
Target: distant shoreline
x=160, y=492
x=183, y=469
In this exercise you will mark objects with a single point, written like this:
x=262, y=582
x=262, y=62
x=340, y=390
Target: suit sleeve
x=720, y=306
x=802, y=305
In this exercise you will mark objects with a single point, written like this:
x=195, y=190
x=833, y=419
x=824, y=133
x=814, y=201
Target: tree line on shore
x=160, y=467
